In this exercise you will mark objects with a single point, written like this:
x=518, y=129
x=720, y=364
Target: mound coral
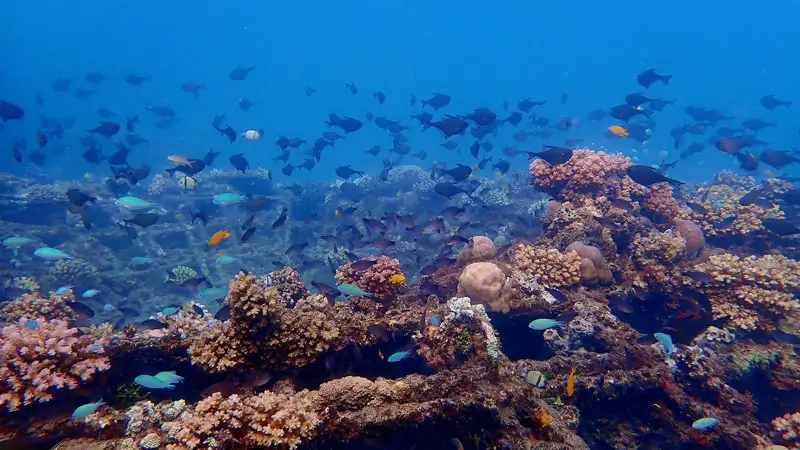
x=754, y=292
x=479, y=248
x=377, y=279
x=39, y=356
x=484, y=282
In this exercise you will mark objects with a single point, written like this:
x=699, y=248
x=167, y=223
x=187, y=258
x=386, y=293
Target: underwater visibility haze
x=399, y=225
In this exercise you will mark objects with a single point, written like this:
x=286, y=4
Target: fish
x=648, y=176
x=347, y=124
x=151, y=382
x=771, y=102
x=168, y=377
x=545, y=324
x=399, y=356
x=459, y=173
x=213, y=293
x=51, y=254
x=352, y=87
x=627, y=112
x=251, y=135
x=351, y=290
x=217, y=237
x=93, y=155
x=228, y=199
x=571, y=383
x=380, y=97
x=649, y=77
x=143, y=220
x=239, y=162
x=107, y=129
x=346, y=172
x=135, y=80
x=134, y=203
x=552, y=155
x=449, y=190
x=436, y=101
x=193, y=88
x=781, y=227
x=78, y=198
x=90, y=293
x=281, y=220
x=705, y=423
x=666, y=341
x=240, y=73
x=449, y=126
x=84, y=410
x=187, y=183
x=245, y=104
x=618, y=130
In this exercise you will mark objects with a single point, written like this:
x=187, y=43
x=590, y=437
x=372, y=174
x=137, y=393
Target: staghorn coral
x=375, y=279
x=754, y=292
x=33, y=305
x=39, y=356
x=253, y=300
x=547, y=266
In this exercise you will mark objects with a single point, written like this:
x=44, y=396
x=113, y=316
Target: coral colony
x=636, y=319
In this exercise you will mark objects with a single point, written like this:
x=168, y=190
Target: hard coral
x=266, y=420
x=376, y=279
x=33, y=305
x=220, y=347
x=479, y=248
x=304, y=333
x=787, y=427
x=548, y=266
x=754, y=292
x=486, y=284
x=585, y=173
x=40, y=356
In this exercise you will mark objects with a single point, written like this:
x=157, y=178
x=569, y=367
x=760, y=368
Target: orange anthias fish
x=218, y=237
x=571, y=383
x=618, y=130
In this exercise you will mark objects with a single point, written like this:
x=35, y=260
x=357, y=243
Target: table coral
x=39, y=356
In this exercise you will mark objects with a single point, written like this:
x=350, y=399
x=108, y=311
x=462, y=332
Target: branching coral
x=33, y=305
x=659, y=201
x=303, y=333
x=586, y=172
x=220, y=347
x=754, y=292
x=787, y=427
x=266, y=420
x=39, y=357
x=548, y=266
x=377, y=279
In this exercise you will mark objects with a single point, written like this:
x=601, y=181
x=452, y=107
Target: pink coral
x=376, y=279
x=788, y=427
x=586, y=171
x=40, y=356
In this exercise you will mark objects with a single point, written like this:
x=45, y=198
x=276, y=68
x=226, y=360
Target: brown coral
x=53, y=306
x=548, y=266
x=754, y=292
x=377, y=279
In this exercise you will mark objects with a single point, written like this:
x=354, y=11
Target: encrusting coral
x=548, y=266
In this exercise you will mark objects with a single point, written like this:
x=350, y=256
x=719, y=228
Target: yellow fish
x=397, y=278
x=618, y=130
x=218, y=237
x=220, y=254
x=571, y=383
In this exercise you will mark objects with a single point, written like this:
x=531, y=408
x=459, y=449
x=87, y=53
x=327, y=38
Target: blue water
x=723, y=54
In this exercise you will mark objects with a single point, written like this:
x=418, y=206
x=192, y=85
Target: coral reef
x=547, y=266
x=376, y=279
x=39, y=356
